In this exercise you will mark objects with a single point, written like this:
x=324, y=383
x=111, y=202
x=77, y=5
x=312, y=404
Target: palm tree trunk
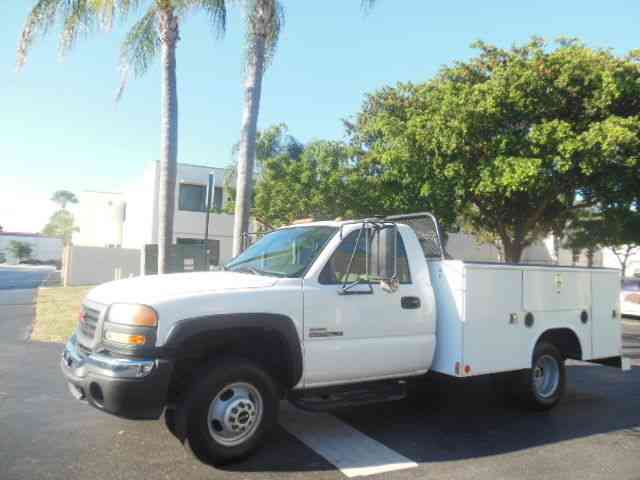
x=169, y=35
x=247, y=147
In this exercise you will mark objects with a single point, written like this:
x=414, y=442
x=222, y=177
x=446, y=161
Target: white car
x=630, y=297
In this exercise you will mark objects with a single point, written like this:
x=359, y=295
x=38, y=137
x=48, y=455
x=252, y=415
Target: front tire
x=229, y=411
x=543, y=385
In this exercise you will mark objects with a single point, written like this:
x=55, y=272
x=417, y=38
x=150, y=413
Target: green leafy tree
x=61, y=224
x=327, y=180
x=271, y=142
x=156, y=34
x=20, y=250
x=511, y=140
x=63, y=197
x=617, y=229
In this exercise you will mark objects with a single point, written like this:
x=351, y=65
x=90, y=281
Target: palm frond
x=140, y=47
x=42, y=16
x=215, y=10
x=264, y=17
x=367, y=5
x=78, y=18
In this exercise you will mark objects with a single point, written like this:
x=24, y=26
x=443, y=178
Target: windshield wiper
x=252, y=270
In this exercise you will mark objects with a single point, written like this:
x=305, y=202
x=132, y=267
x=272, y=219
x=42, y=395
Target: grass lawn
x=57, y=313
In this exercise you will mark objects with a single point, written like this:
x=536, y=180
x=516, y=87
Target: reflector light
x=125, y=338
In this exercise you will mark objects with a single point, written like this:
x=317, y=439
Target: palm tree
x=264, y=22
x=265, y=19
x=156, y=32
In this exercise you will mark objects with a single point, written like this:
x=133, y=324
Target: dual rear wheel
x=540, y=387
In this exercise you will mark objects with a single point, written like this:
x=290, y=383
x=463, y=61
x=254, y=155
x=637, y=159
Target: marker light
x=125, y=338
x=131, y=314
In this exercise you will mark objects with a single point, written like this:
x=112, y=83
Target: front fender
x=223, y=324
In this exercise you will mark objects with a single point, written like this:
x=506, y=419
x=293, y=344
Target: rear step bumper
x=623, y=363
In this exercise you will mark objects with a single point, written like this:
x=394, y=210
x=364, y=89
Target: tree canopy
x=615, y=228
x=63, y=197
x=20, y=250
x=61, y=224
x=510, y=141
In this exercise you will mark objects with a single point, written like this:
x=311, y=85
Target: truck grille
x=89, y=322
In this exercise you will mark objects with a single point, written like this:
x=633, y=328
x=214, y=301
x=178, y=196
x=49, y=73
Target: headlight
x=134, y=315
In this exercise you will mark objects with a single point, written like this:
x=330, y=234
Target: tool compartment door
x=495, y=339
x=606, y=325
x=559, y=298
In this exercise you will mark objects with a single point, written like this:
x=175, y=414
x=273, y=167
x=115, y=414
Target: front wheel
x=542, y=386
x=229, y=411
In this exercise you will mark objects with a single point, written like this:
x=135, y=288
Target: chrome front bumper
x=128, y=387
x=79, y=364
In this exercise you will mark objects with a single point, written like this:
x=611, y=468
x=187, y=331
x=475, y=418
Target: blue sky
x=60, y=127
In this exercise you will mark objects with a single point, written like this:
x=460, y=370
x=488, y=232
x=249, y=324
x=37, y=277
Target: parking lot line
x=352, y=452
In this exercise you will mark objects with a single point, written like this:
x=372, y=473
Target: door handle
x=410, y=303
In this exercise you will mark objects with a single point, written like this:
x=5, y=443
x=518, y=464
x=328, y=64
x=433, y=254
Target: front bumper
x=128, y=387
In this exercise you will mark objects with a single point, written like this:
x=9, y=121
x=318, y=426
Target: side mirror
x=385, y=253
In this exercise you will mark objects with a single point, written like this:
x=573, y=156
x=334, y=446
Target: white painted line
x=351, y=451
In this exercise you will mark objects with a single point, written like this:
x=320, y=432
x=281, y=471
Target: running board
x=623, y=363
x=329, y=398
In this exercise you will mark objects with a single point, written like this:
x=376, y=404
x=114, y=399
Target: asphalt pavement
x=13, y=277
x=450, y=429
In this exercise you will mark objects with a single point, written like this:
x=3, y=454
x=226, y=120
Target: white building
x=100, y=219
x=130, y=219
x=466, y=247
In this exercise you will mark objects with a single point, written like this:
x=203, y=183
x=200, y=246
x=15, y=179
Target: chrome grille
x=89, y=322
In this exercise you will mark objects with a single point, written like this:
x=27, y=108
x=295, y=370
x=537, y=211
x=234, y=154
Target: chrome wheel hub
x=234, y=414
x=546, y=376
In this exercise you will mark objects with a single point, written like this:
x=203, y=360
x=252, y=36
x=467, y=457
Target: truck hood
x=152, y=288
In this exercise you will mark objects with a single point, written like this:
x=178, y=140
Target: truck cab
x=328, y=314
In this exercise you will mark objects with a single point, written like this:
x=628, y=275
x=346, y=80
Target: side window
x=336, y=271
x=192, y=198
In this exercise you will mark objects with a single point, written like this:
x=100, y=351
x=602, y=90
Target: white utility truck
x=328, y=314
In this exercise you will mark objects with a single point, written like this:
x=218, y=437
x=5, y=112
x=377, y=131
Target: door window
x=337, y=270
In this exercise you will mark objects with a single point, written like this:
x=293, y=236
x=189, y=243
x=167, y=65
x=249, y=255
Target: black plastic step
x=330, y=398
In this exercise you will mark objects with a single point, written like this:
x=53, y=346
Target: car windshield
x=283, y=253
x=631, y=285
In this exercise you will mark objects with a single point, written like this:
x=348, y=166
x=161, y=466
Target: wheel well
x=565, y=340
x=266, y=348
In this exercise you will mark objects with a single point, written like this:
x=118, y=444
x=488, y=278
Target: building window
x=217, y=198
x=213, y=251
x=192, y=197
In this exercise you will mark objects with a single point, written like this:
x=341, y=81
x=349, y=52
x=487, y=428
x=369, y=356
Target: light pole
x=208, y=213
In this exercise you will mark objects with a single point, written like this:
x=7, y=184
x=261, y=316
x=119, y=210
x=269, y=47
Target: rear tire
x=542, y=386
x=229, y=411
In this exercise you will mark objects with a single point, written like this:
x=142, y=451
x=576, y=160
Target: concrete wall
x=95, y=265
x=44, y=248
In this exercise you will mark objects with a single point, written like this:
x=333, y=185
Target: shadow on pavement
x=448, y=419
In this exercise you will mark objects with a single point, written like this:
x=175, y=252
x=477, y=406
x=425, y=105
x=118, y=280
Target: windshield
x=283, y=253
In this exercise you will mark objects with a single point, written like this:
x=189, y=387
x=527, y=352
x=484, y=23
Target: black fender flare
x=222, y=325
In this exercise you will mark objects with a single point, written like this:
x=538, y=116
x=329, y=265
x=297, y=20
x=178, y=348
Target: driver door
x=370, y=332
